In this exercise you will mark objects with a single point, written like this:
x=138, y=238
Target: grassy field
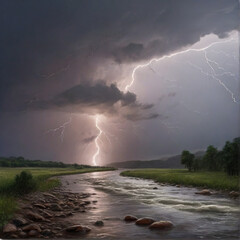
x=213, y=180
x=41, y=175
x=43, y=182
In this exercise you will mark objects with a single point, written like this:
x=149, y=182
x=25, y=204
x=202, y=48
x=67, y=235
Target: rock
x=22, y=234
x=59, y=235
x=34, y=216
x=19, y=221
x=78, y=228
x=204, y=192
x=9, y=228
x=234, y=194
x=99, y=223
x=49, y=195
x=155, y=188
x=178, y=186
x=161, y=225
x=33, y=233
x=32, y=226
x=47, y=232
x=55, y=207
x=13, y=236
x=39, y=205
x=145, y=221
x=130, y=218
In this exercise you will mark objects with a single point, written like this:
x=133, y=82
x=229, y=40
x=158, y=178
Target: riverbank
x=212, y=180
x=43, y=181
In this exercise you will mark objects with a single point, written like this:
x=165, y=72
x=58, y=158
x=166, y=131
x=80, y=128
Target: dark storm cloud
x=92, y=99
x=46, y=43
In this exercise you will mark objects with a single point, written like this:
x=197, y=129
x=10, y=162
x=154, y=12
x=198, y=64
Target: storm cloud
x=47, y=43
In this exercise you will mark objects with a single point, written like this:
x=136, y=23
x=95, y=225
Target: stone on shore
x=9, y=228
x=234, y=194
x=34, y=216
x=204, y=192
x=130, y=218
x=161, y=225
x=78, y=228
x=32, y=226
x=145, y=221
x=19, y=221
x=33, y=233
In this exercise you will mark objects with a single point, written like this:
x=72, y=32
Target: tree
x=187, y=159
x=211, y=158
x=230, y=155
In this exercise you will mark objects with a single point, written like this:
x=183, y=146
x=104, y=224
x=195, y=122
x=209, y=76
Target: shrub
x=7, y=208
x=24, y=183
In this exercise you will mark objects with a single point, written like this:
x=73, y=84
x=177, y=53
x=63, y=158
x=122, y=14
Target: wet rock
x=32, y=226
x=204, y=192
x=47, y=232
x=34, y=216
x=13, y=236
x=22, y=234
x=33, y=233
x=59, y=235
x=178, y=186
x=145, y=221
x=55, y=207
x=155, y=188
x=234, y=194
x=19, y=221
x=99, y=223
x=78, y=228
x=130, y=218
x=39, y=205
x=161, y=225
x=9, y=228
x=49, y=195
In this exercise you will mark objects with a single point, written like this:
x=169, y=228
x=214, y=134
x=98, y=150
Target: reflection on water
x=194, y=216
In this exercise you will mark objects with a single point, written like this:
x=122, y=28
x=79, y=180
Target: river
x=194, y=216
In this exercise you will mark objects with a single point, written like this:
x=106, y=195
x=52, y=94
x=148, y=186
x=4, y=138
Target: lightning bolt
x=96, y=141
x=214, y=75
x=61, y=128
x=148, y=64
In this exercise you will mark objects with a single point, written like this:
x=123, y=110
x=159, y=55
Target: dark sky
x=63, y=62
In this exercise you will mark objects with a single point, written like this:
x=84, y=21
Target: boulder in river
x=78, y=228
x=9, y=228
x=99, y=223
x=204, y=192
x=234, y=194
x=145, y=221
x=130, y=218
x=161, y=225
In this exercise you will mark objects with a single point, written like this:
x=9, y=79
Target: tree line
x=22, y=162
x=226, y=159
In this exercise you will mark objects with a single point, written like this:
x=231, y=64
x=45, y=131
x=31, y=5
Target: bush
x=24, y=183
x=7, y=208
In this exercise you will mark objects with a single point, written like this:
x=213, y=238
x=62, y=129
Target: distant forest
x=22, y=162
x=227, y=159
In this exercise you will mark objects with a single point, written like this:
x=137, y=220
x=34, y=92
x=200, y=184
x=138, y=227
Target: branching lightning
x=213, y=75
x=96, y=141
x=61, y=128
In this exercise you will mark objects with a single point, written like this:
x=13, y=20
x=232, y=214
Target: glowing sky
x=67, y=76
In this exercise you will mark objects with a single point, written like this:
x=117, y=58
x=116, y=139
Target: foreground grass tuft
x=8, y=206
x=213, y=180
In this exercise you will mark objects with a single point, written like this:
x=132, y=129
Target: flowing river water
x=194, y=216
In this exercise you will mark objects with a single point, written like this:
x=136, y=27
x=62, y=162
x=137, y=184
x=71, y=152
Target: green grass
x=40, y=175
x=213, y=180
